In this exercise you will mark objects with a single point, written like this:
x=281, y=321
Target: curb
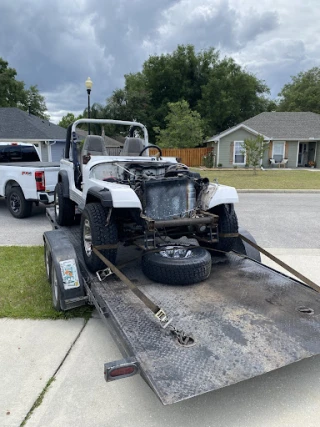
x=254, y=190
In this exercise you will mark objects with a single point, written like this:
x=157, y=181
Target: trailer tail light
x=40, y=181
x=120, y=369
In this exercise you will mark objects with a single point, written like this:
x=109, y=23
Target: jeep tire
x=64, y=208
x=228, y=223
x=94, y=231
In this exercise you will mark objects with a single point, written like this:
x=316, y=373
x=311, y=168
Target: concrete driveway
x=26, y=231
x=73, y=354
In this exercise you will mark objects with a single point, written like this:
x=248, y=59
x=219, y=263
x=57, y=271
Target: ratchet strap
x=186, y=340
x=157, y=311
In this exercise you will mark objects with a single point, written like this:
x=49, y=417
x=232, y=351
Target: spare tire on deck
x=177, y=265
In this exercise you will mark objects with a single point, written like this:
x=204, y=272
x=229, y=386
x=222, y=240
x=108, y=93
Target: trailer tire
x=47, y=262
x=178, y=271
x=94, y=232
x=18, y=206
x=55, y=290
x=228, y=223
x=64, y=207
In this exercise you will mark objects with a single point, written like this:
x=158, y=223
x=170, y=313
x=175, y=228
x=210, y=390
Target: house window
x=239, y=157
x=278, y=151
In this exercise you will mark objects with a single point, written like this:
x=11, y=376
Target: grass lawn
x=268, y=179
x=24, y=289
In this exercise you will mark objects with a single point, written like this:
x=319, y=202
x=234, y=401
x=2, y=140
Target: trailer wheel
x=64, y=208
x=177, y=265
x=94, y=232
x=47, y=262
x=228, y=223
x=18, y=206
x=56, y=294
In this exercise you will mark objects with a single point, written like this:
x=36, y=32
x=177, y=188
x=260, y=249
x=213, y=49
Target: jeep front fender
x=216, y=194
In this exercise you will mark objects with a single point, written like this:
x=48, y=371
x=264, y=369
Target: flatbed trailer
x=246, y=319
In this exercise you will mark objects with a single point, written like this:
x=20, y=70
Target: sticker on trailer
x=69, y=274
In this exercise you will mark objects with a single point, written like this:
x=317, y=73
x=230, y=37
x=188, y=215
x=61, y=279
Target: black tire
x=177, y=271
x=64, y=208
x=47, y=262
x=55, y=290
x=228, y=223
x=94, y=232
x=18, y=206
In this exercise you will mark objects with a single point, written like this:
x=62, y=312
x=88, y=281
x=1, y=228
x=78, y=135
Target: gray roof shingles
x=18, y=124
x=284, y=125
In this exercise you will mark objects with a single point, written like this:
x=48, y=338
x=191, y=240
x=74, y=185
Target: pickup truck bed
x=32, y=164
x=246, y=318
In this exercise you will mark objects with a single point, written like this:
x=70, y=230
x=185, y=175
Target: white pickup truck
x=24, y=179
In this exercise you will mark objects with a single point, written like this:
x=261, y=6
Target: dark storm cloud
x=58, y=44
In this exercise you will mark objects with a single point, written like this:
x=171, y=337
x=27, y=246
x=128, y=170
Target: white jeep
x=137, y=197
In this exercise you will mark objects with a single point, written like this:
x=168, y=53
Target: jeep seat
x=94, y=145
x=133, y=147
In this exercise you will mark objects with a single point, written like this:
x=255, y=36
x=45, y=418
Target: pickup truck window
x=18, y=153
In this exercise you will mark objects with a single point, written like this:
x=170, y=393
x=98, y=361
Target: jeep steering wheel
x=151, y=146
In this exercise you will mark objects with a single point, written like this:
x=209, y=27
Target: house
x=19, y=125
x=294, y=136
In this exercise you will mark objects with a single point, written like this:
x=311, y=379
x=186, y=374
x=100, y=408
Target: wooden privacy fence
x=188, y=156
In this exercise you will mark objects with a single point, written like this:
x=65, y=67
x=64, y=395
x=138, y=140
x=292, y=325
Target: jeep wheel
x=18, y=206
x=177, y=265
x=94, y=232
x=64, y=207
x=228, y=223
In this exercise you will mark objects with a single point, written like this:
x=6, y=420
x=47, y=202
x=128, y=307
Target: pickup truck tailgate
x=51, y=177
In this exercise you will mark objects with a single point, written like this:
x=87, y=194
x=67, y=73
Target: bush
x=208, y=160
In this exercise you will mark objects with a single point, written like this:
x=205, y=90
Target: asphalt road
x=281, y=220
x=275, y=220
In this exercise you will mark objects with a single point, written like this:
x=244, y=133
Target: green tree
x=14, y=94
x=303, y=93
x=230, y=96
x=221, y=91
x=35, y=101
x=183, y=127
x=11, y=90
x=67, y=120
x=254, y=149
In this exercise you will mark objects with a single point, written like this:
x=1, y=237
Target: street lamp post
x=88, y=86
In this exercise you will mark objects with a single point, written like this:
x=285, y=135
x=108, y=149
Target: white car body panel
x=217, y=194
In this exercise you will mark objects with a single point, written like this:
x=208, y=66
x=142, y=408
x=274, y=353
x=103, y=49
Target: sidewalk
x=35, y=351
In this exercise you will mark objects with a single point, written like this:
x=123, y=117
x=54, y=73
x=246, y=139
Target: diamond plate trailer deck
x=247, y=319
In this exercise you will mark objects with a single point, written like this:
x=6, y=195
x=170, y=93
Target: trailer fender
x=244, y=248
x=61, y=258
x=63, y=177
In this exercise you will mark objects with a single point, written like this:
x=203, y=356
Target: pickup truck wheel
x=177, y=265
x=18, y=206
x=228, y=223
x=64, y=207
x=94, y=232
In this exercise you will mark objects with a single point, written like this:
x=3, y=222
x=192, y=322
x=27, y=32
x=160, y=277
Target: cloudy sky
x=57, y=44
